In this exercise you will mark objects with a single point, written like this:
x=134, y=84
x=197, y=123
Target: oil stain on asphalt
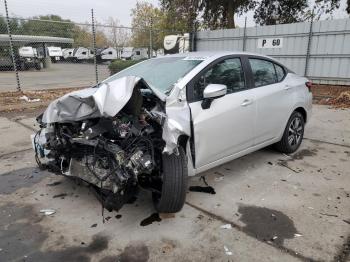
x=266, y=224
x=24, y=236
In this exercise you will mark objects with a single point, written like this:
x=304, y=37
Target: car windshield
x=161, y=73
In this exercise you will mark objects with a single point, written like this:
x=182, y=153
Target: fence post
x=11, y=47
x=94, y=43
x=245, y=34
x=307, y=58
x=150, y=53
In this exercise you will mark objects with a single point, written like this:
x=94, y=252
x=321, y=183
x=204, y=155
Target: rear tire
x=174, y=186
x=293, y=134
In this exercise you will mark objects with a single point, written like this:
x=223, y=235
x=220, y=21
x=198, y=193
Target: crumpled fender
x=105, y=101
x=177, y=120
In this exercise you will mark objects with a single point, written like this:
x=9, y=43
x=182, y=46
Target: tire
x=292, y=135
x=38, y=65
x=174, y=186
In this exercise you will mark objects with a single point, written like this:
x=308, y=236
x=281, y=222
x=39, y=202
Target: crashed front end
x=112, y=137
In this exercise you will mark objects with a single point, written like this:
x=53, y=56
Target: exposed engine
x=114, y=155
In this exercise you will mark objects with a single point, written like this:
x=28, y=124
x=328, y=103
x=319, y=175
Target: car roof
x=213, y=54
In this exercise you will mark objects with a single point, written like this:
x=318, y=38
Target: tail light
x=309, y=85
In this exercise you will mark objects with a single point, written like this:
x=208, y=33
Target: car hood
x=106, y=100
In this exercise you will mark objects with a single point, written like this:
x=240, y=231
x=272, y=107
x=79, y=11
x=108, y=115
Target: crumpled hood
x=105, y=101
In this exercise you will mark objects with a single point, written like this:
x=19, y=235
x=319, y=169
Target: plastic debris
x=218, y=179
x=274, y=238
x=227, y=251
x=298, y=235
x=27, y=99
x=227, y=226
x=48, y=212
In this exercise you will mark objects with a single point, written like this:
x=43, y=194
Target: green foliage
x=146, y=17
x=119, y=65
x=280, y=12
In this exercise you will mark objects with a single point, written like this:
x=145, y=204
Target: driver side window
x=227, y=72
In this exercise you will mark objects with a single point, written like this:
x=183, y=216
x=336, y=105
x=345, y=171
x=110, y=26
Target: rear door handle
x=247, y=102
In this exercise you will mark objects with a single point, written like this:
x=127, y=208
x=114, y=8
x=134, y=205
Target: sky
x=80, y=10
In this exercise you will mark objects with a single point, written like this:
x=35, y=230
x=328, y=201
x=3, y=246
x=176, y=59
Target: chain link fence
x=51, y=53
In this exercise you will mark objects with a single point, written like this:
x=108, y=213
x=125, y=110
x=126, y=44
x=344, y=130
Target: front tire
x=293, y=134
x=174, y=183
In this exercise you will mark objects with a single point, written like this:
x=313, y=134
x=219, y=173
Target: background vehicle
x=29, y=57
x=81, y=54
x=55, y=53
x=67, y=53
x=174, y=44
x=174, y=116
x=131, y=53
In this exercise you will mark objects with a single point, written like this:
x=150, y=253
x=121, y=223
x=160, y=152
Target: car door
x=272, y=96
x=226, y=127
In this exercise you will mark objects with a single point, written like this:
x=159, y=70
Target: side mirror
x=211, y=92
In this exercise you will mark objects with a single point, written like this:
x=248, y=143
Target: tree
x=145, y=19
x=220, y=13
x=211, y=14
x=119, y=37
x=58, y=27
x=181, y=15
x=280, y=12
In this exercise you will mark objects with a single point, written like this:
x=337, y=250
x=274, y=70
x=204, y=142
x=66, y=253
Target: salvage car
x=154, y=124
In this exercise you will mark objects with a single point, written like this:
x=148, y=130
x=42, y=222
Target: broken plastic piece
x=298, y=235
x=48, y=212
x=227, y=251
x=227, y=226
x=27, y=99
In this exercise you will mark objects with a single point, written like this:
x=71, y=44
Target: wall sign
x=270, y=42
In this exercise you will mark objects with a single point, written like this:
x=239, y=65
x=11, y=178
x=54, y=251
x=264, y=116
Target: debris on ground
x=341, y=100
x=48, y=211
x=298, y=235
x=227, y=251
x=203, y=189
x=29, y=100
x=227, y=226
x=149, y=220
x=18, y=101
x=94, y=225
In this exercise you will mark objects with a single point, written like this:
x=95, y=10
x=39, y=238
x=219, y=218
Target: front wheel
x=174, y=183
x=293, y=134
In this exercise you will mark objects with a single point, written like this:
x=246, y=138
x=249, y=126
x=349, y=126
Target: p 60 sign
x=270, y=42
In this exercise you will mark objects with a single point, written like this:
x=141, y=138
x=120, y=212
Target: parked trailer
x=131, y=53
x=55, y=53
x=29, y=57
x=109, y=53
x=67, y=53
x=81, y=54
x=174, y=44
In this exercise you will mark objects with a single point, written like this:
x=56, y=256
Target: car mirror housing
x=211, y=92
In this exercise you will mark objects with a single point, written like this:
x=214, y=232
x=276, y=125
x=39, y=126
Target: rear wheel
x=174, y=183
x=293, y=134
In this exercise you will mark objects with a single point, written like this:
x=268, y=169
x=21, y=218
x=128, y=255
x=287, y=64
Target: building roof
x=26, y=39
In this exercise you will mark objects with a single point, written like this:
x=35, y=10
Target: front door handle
x=247, y=102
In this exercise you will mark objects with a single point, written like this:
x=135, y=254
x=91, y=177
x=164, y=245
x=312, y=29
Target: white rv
x=140, y=53
x=55, y=53
x=109, y=53
x=174, y=44
x=131, y=53
x=67, y=53
x=29, y=57
x=81, y=54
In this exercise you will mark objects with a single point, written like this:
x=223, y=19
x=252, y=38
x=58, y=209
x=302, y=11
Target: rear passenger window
x=263, y=72
x=279, y=72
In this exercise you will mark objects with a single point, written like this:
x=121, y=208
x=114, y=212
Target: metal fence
x=319, y=50
x=44, y=53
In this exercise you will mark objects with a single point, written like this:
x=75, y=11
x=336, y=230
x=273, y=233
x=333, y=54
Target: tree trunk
x=230, y=15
